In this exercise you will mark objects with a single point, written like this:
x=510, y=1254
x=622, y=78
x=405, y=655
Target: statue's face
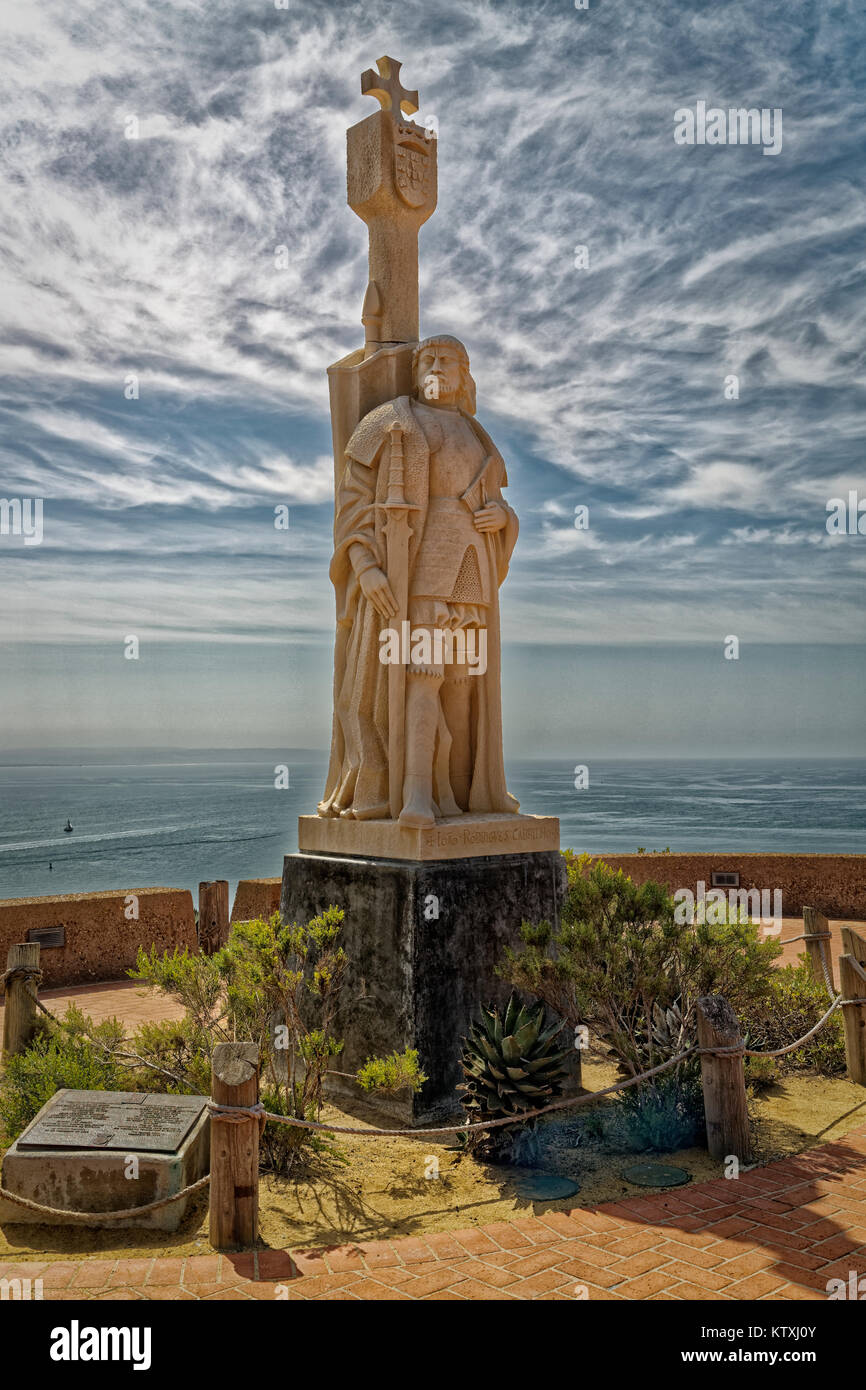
x=438, y=374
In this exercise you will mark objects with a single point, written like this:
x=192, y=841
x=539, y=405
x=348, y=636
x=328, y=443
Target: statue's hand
x=490, y=518
x=375, y=587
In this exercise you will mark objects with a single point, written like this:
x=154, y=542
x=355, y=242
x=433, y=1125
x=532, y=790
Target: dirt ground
x=373, y=1189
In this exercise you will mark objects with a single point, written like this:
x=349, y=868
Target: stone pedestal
x=467, y=836
x=423, y=939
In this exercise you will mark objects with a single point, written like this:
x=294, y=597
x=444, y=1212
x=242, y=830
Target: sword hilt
x=396, y=475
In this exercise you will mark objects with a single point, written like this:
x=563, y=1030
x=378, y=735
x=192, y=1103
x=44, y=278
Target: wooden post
x=234, y=1148
x=852, y=982
x=19, y=1015
x=815, y=924
x=213, y=915
x=724, y=1080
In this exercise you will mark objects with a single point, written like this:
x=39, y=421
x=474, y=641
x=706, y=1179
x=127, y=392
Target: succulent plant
x=669, y=1030
x=511, y=1066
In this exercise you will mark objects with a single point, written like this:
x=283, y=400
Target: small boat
x=68, y=826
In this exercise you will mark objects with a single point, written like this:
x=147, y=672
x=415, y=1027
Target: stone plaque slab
x=127, y=1120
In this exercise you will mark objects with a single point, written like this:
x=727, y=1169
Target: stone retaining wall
x=835, y=884
x=101, y=932
x=256, y=897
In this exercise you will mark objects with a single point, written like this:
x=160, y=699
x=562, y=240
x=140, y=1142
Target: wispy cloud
x=153, y=260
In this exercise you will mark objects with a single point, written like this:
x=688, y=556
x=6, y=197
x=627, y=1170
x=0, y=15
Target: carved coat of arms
x=413, y=165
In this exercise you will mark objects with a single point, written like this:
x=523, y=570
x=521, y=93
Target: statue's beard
x=433, y=391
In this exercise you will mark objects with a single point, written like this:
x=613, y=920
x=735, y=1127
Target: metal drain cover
x=656, y=1175
x=546, y=1187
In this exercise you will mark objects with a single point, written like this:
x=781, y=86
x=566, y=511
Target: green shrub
x=278, y=984
x=794, y=1004
x=622, y=965
x=275, y=983
x=179, y=1057
x=391, y=1074
x=49, y=1064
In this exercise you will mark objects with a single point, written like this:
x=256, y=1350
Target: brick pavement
x=776, y=1233
x=124, y=999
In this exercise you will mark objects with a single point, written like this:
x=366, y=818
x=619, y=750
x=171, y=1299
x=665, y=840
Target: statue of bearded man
x=459, y=547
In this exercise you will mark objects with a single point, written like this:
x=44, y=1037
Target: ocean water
x=174, y=818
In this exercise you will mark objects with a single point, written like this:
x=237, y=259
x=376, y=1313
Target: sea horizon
x=172, y=816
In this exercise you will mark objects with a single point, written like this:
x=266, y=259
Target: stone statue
x=416, y=836
x=422, y=542
x=423, y=539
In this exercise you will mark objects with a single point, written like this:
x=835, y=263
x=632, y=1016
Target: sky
x=163, y=370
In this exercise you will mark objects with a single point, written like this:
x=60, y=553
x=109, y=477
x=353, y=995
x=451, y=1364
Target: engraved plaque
x=127, y=1120
x=48, y=936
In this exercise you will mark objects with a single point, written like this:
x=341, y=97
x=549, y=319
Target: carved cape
x=357, y=780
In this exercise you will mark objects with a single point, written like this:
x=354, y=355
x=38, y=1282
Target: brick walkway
x=124, y=999
x=779, y=1232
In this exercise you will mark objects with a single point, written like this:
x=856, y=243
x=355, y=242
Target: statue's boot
x=457, y=706
x=422, y=721
x=442, y=770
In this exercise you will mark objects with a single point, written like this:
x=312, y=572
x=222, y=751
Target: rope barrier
x=91, y=1216
x=233, y=1114
x=807, y=936
x=239, y=1114
x=820, y=937
x=828, y=973
x=236, y=1114
x=486, y=1124
x=20, y=972
x=258, y=1111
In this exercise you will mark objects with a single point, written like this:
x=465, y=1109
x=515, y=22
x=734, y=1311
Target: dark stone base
x=422, y=940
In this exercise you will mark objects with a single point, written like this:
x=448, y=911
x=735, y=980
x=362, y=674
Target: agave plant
x=670, y=1031
x=511, y=1066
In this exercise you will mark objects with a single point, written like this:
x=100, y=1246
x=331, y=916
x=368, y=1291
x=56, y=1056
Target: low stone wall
x=835, y=884
x=101, y=932
x=256, y=897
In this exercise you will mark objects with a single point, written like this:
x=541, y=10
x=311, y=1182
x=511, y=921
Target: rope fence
x=240, y=1114
x=234, y=1167
x=90, y=1217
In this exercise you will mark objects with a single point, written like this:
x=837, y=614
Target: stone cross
x=392, y=187
x=386, y=85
